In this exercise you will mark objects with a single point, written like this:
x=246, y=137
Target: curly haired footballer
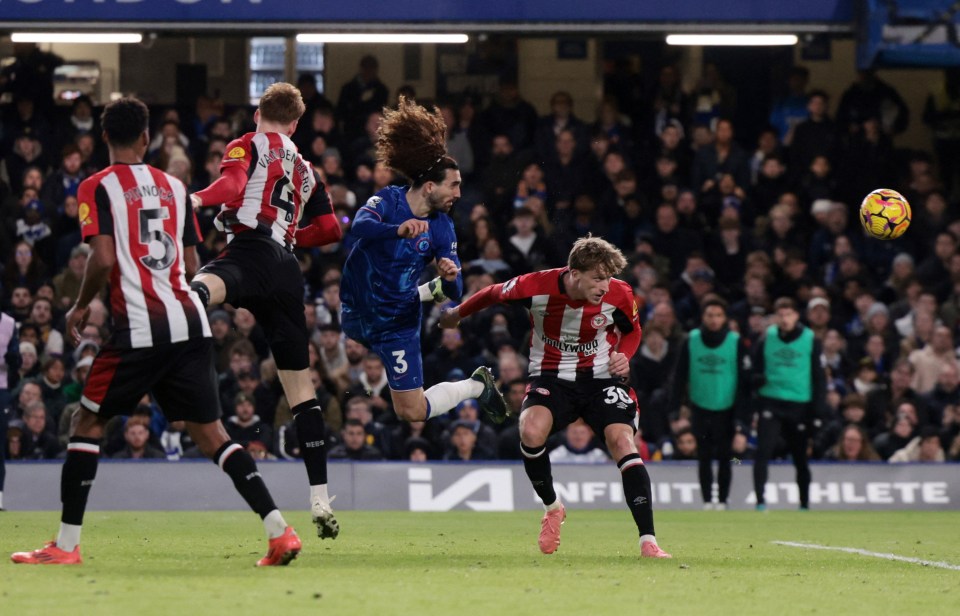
x=412, y=141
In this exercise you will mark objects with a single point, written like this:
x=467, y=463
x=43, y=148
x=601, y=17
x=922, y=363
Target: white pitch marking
x=885, y=556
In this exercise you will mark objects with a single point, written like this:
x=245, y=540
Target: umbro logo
x=640, y=500
x=252, y=475
x=87, y=483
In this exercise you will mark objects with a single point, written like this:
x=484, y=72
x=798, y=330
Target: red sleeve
x=516, y=289
x=94, y=209
x=626, y=317
x=230, y=187
x=322, y=230
x=484, y=298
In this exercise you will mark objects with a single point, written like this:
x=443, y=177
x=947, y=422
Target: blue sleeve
x=369, y=221
x=447, y=247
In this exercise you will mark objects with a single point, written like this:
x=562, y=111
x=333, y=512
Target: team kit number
x=282, y=197
x=401, y=367
x=614, y=394
x=161, y=249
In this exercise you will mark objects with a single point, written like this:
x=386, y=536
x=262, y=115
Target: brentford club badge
x=542, y=391
x=599, y=321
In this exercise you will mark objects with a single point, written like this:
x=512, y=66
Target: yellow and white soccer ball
x=885, y=214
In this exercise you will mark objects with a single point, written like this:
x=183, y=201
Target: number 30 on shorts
x=402, y=365
x=614, y=393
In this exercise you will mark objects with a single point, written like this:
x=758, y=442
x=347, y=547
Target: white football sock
x=444, y=396
x=648, y=539
x=553, y=506
x=69, y=537
x=426, y=295
x=274, y=524
x=320, y=492
x=1, y=499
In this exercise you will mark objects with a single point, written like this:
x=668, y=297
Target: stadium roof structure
x=528, y=16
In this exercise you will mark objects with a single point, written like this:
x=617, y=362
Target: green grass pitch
x=466, y=563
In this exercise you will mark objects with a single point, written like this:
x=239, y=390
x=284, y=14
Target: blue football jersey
x=383, y=270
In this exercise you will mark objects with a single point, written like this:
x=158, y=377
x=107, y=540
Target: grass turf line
x=487, y=563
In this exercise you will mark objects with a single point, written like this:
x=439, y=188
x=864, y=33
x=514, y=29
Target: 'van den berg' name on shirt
x=275, y=154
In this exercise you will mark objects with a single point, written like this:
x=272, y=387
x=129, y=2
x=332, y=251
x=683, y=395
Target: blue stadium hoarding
x=316, y=12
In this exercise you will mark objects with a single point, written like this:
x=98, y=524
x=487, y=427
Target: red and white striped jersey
x=572, y=339
x=146, y=212
x=279, y=183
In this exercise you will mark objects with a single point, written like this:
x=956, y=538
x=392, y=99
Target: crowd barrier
x=200, y=485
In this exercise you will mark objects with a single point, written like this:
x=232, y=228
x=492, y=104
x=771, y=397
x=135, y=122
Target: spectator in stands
x=37, y=441
x=925, y=447
x=561, y=118
x=24, y=268
x=41, y=315
x=870, y=97
x=67, y=282
x=669, y=100
x=673, y=242
x=136, y=436
x=684, y=446
x=945, y=393
x=245, y=426
x=353, y=444
x=815, y=135
x=791, y=109
x=512, y=116
x=372, y=383
x=29, y=366
x=724, y=156
x=65, y=181
x=578, y=447
x=378, y=435
x=902, y=430
x=929, y=360
x=853, y=446
x=451, y=354
x=463, y=445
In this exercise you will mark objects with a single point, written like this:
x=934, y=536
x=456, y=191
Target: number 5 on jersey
x=160, y=245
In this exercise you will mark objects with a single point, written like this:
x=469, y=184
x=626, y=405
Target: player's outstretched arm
x=229, y=187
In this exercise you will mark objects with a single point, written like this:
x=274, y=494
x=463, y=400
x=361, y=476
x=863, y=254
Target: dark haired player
x=711, y=373
x=585, y=329
x=267, y=189
x=399, y=231
x=142, y=234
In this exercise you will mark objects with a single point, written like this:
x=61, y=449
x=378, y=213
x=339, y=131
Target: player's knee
x=86, y=424
x=533, y=432
x=202, y=291
x=620, y=443
x=411, y=410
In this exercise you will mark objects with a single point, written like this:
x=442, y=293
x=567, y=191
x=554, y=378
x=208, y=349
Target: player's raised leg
x=536, y=423
x=636, y=485
x=404, y=365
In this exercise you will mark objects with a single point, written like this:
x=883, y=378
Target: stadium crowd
x=657, y=170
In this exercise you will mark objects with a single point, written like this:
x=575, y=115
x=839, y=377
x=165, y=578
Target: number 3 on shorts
x=613, y=394
x=402, y=365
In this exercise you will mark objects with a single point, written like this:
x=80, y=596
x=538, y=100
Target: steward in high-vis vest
x=791, y=395
x=712, y=376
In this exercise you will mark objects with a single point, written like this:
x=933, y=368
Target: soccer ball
x=885, y=214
